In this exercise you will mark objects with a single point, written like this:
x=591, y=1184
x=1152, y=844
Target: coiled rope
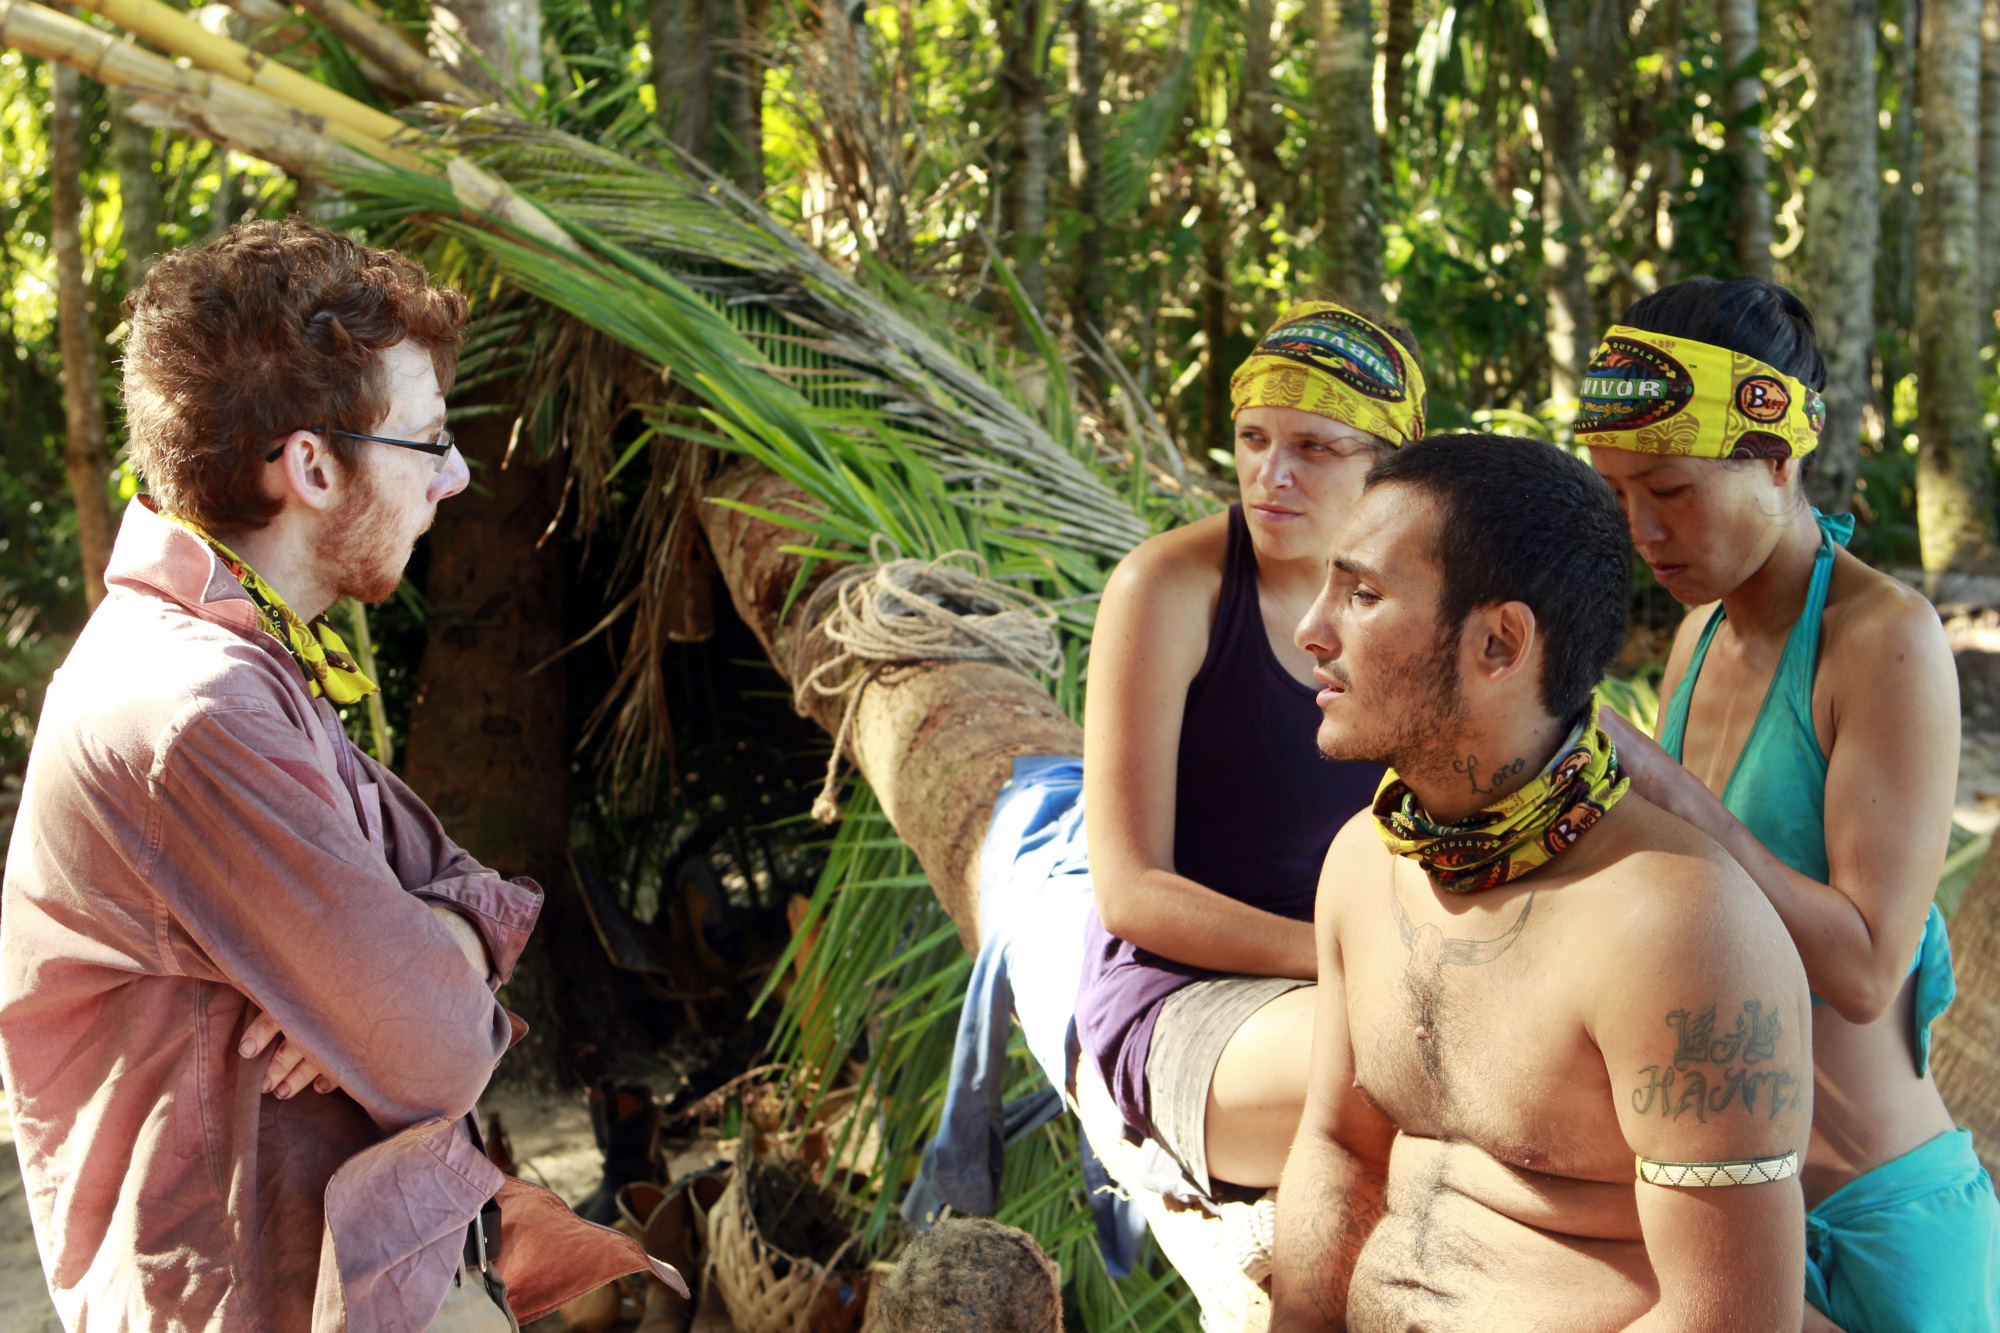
x=898, y=612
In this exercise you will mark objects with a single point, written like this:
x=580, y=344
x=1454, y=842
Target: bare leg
x=1259, y=1092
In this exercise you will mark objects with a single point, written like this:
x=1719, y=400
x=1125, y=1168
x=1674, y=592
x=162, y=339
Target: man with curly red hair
x=246, y=981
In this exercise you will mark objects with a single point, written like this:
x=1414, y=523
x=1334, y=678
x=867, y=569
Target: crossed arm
x=360, y=962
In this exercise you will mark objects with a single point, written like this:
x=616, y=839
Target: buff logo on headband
x=1655, y=394
x=1323, y=358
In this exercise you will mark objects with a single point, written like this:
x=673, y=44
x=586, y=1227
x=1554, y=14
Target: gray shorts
x=1195, y=1023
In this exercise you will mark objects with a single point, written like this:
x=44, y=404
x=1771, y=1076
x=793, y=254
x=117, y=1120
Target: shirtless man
x=1528, y=975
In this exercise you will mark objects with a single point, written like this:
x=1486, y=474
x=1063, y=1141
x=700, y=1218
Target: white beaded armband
x=1757, y=1172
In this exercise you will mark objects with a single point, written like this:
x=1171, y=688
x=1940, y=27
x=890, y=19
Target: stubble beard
x=1420, y=720
x=362, y=545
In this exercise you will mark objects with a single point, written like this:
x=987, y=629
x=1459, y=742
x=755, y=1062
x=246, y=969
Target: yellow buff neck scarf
x=1526, y=831
x=1323, y=358
x=1655, y=394
x=320, y=652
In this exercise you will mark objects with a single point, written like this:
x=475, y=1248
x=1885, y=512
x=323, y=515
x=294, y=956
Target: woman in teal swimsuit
x=1811, y=727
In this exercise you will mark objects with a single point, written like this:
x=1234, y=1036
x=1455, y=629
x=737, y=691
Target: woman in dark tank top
x=1208, y=807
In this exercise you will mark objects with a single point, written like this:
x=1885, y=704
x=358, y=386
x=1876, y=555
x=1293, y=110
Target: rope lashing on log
x=900, y=612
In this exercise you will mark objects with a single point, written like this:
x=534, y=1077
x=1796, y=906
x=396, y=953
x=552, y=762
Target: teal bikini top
x=1778, y=787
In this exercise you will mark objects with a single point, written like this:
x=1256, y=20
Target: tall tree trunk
x=1896, y=252
x=1965, y=1049
x=84, y=456
x=1572, y=326
x=1215, y=322
x=1989, y=169
x=1399, y=38
x=1025, y=198
x=489, y=743
x=1259, y=118
x=681, y=35
x=1350, y=171
x=1741, y=99
x=743, y=87
x=1843, y=224
x=1087, y=122
x=138, y=193
x=469, y=37
x=1954, y=478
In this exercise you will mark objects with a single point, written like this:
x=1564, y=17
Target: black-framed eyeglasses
x=439, y=449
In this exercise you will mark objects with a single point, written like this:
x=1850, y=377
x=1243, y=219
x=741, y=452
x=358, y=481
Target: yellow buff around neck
x=1323, y=358
x=1521, y=833
x=1655, y=394
x=320, y=651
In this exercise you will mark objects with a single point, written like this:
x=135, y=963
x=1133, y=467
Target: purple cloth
x=1255, y=809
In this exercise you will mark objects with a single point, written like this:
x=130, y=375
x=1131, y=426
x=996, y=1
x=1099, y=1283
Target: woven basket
x=768, y=1290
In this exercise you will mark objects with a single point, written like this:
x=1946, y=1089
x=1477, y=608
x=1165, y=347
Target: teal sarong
x=1911, y=1247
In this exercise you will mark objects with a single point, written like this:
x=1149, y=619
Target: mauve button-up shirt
x=197, y=839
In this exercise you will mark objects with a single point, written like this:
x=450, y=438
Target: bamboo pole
x=370, y=37
x=213, y=102
x=169, y=28
x=298, y=152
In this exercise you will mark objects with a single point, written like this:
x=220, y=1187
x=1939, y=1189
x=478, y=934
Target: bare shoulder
x=1875, y=622
x=1356, y=858
x=1665, y=894
x=1177, y=569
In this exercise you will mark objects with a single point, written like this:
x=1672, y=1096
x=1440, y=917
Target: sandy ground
x=24, y=1297
x=551, y=1139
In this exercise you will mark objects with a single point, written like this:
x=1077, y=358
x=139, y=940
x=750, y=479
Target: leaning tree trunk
x=1843, y=222
x=1565, y=263
x=1350, y=166
x=1745, y=143
x=935, y=739
x=84, y=455
x=1965, y=1043
x=1954, y=476
x=1896, y=251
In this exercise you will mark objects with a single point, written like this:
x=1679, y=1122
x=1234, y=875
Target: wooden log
x=176, y=32
x=934, y=739
x=398, y=57
x=216, y=107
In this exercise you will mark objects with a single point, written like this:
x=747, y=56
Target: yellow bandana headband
x=1323, y=358
x=1655, y=394
x=318, y=649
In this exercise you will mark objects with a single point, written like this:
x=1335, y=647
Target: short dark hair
x=1753, y=316
x=1524, y=521
x=273, y=327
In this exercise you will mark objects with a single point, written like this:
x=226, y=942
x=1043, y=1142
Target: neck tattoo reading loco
x=1713, y=1070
